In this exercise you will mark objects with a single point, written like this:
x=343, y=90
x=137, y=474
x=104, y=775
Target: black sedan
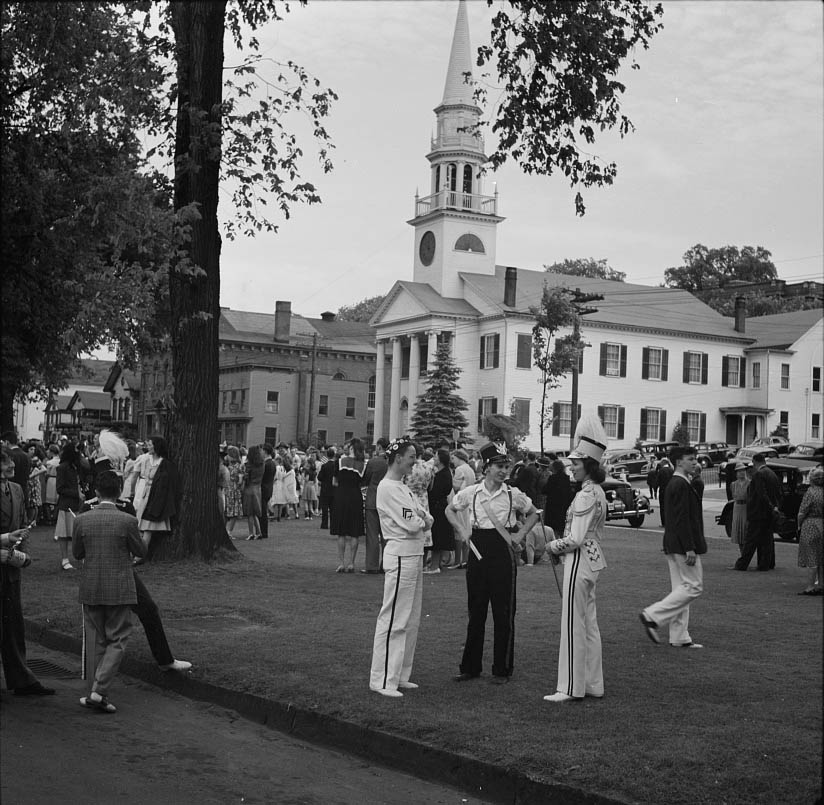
x=625, y=503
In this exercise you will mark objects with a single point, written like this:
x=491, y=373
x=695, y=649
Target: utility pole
x=578, y=300
x=309, y=422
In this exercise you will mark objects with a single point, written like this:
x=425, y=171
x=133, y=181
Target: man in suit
x=22, y=464
x=683, y=545
x=372, y=475
x=763, y=496
x=13, y=557
x=104, y=538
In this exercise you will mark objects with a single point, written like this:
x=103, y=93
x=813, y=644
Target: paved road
x=163, y=749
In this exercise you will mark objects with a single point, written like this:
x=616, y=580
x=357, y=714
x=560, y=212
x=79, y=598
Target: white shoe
x=408, y=686
x=560, y=697
x=392, y=694
x=176, y=665
x=436, y=570
x=67, y=565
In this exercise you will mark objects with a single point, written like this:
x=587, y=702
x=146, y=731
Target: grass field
x=739, y=722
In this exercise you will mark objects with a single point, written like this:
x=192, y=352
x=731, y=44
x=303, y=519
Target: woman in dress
x=290, y=488
x=738, y=526
x=35, y=491
x=68, y=499
x=141, y=471
x=130, y=473
x=222, y=486
x=162, y=493
x=309, y=488
x=50, y=498
x=252, y=496
x=234, y=491
x=347, y=520
x=810, y=535
x=278, y=500
x=443, y=539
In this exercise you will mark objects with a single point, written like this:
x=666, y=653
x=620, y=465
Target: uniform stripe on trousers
x=391, y=621
x=513, y=575
x=573, y=575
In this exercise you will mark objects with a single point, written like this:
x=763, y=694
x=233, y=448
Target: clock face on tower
x=427, y=248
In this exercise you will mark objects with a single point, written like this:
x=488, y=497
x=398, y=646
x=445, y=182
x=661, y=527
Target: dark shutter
x=603, y=370
x=643, y=430
x=556, y=419
x=664, y=363
x=601, y=413
x=742, y=375
x=662, y=436
x=496, y=350
x=686, y=376
x=621, y=414
x=645, y=364
x=581, y=361
x=494, y=406
x=702, y=429
x=725, y=368
x=482, y=352
x=480, y=416
x=524, y=360
x=705, y=361
x=684, y=419
x=623, y=371
x=579, y=414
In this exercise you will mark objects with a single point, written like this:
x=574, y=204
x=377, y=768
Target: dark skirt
x=252, y=506
x=443, y=538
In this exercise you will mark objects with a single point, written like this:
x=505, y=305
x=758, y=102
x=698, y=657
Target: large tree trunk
x=195, y=284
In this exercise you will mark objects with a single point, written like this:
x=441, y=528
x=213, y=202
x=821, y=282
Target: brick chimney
x=740, y=314
x=510, y=286
x=283, y=320
x=327, y=315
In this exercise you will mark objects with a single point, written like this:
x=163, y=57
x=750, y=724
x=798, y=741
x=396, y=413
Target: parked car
x=632, y=462
x=657, y=450
x=809, y=451
x=745, y=454
x=711, y=453
x=624, y=502
x=780, y=444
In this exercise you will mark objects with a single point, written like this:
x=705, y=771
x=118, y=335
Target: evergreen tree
x=440, y=410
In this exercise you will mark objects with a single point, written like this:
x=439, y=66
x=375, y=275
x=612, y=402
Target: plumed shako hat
x=590, y=438
x=492, y=453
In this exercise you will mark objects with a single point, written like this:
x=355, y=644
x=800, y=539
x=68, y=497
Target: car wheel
x=636, y=522
x=705, y=463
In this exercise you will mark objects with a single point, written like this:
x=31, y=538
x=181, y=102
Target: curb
x=496, y=783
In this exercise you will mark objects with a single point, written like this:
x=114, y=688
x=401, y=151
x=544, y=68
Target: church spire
x=456, y=89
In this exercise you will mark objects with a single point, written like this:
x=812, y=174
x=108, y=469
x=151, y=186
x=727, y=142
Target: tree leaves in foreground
x=360, y=311
x=557, y=62
x=586, y=267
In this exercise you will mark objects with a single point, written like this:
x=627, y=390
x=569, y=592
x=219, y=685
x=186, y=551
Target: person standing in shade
x=375, y=470
x=347, y=513
x=665, y=472
x=443, y=538
x=104, y=538
x=763, y=497
x=267, y=486
x=738, y=527
x=558, y=494
x=403, y=522
x=684, y=544
x=326, y=497
x=492, y=573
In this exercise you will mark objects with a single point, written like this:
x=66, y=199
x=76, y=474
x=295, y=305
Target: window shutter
x=623, y=361
x=580, y=361
x=556, y=419
x=579, y=413
x=742, y=375
x=686, y=376
x=601, y=413
x=725, y=368
x=662, y=436
x=702, y=429
x=684, y=419
x=664, y=363
x=643, y=430
x=482, y=352
x=494, y=405
x=705, y=361
x=621, y=414
x=480, y=416
x=496, y=349
x=645, y=364
x=603, y=370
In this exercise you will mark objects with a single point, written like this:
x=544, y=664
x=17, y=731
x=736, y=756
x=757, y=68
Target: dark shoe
x=368, y=572
x=102, y=704
x=499, y=680
x=35, y=689
x=686, y=645
x=651, y=627
x=464, y=677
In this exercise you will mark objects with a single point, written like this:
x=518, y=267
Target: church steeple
x=456, y=224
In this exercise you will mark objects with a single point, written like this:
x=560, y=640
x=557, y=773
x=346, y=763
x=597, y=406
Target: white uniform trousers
x=687, y=584
x=580, y=672
x=396, y=632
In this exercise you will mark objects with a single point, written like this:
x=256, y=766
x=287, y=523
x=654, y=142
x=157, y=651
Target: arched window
x=469, y=243
x=404, y=404
x=437, y=178
x=339, y=376
x=451, y=176
x=467, y=179
x=370, y=396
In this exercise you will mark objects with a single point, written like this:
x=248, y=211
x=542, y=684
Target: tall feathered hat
x=114, y=448
x=493, y=452
x=590, y=438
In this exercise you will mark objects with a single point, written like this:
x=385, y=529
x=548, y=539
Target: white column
x=743, y=420
x=414, y=372
x=380, y=380
x=395, y=390
x=432, y=348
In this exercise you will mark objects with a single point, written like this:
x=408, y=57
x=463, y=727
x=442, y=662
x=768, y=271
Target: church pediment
x=410, y=300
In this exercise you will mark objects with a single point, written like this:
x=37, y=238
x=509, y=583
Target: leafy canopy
x=586, y=267
x=360, y=311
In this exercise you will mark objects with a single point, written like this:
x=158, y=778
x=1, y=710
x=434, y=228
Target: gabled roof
x=781, y=330
x=624, y=304
x=428, y=298
x=90, y=400
x=114, y=375
x=59, y=403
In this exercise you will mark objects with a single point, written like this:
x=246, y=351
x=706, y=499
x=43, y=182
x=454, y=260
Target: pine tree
x=439, y=409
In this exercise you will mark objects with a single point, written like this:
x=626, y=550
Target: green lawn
x=739, y=722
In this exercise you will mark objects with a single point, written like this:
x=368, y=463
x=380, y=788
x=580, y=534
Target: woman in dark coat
x=347, y=521
x=443, y=538
x=67, y=485
x=559, y=493
x=163, y=490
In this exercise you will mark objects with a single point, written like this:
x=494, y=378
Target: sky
x=728, y=149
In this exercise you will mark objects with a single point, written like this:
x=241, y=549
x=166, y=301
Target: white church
x=656, y=356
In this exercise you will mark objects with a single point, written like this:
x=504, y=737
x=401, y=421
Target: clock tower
x=456, y=224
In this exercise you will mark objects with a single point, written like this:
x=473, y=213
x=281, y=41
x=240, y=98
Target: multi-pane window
x=731, y=371
x=696, y=424
x=815, y=426
x=348, y=435
x=756, y=375
x=784, y=421
x=524, y=359
x=816, y=378
x=654, y=364
x=271, y=436
x=486, y=406
x=321, y=437
x=785, y=375
x=323, y=405
x=370, y=395
x=350, y=406
x=272, y=402
x=653, y=424
x=612, y=417
x=370, y=431
x=613, y=355
x=564, y=419
x=520, y=411
x=695, y=367
x=490, y=351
